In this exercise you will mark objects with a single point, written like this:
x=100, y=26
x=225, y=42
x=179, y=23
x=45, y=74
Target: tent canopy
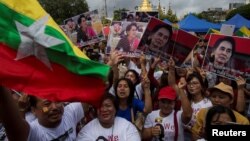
x=167, y=21
x=238, y=21
x=192, y=23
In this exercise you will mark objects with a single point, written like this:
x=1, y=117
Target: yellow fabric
x=200, y=120
x=245, y=30
x=33, y=10
x=215, y=31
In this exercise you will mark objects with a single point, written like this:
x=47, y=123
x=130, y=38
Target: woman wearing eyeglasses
x=196, y=95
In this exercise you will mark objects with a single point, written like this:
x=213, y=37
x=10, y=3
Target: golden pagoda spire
x=145, y=6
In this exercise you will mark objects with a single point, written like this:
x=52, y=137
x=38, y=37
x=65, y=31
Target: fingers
x=145, y=82
x=182, y=83
x=171, y=63
x=241, y=82
x=116, y=57
x=156, y=130
x=23, y=101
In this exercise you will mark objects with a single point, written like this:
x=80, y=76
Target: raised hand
x=23, y=102
x=241, y=82
x=182, y=83
x=171, y=63
x=145, y=82
x=115, y=58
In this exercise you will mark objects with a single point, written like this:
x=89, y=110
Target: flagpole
x=106, y=11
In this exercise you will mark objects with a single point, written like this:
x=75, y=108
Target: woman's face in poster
x=117, y=27
x=132, y=32
x=223, y=52
x=160, y=38
x=83, y=22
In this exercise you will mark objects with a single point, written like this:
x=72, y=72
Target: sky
x=180, y=7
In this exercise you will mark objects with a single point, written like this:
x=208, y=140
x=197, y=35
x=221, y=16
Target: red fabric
x=152, y=79
x=186, y=39
x=168, y=93
x=31, y=76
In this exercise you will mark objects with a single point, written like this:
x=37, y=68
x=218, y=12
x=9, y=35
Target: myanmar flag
x=211, y=31
x=37, y=58
x=243, y=32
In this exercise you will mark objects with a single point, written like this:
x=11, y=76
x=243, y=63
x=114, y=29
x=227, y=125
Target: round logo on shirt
x=101, y=138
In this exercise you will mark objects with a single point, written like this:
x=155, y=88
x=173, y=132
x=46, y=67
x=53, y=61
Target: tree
x=170, y=16
x=118, y=14
x=63, y=9
x=105, y=21
x=243, y=11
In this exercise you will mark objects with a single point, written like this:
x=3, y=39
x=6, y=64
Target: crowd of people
x=143, y=100
x=137, y=105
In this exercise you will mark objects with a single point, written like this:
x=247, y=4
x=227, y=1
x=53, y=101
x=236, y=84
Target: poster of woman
x=161, y=40
x=125, y=36
x=89, y=28
x=228, y=56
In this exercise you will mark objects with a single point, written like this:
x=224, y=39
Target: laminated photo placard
x=141, y=16
x=161, y=40
x=228, y=56
x=89, y=28
x=125, y=36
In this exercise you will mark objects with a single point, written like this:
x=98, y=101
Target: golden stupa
x=145, y=6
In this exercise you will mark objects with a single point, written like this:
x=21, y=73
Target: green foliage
x=117, y=14
x=170, y=16
x=105, y=21
x=243, y=11
x=63, y=9
x=206, y=16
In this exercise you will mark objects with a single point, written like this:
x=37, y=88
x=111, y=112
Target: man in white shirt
x=54, y=121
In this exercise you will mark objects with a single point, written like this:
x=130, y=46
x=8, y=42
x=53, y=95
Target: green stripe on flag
x=243, y=32
x=62, y=54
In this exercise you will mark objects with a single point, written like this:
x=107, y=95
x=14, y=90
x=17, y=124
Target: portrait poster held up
x=138, y=16
x=145, y=16
x=125, y=37
x=161, y=40
x=127, y=16
x=89, y=28
x=228, y=56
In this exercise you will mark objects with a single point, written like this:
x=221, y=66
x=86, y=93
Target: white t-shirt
x=30, y=117
x=122, y=130
x=168, y=124
x=66, y=131
x=3, y=136
x=205, y=103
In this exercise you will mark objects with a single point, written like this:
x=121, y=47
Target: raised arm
x=185, y=103
x=151, y=77
x=147, y=95
x=16, y=127
x=143, y=63
x=241, y=100
x=115, y=58
x=171, y=72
